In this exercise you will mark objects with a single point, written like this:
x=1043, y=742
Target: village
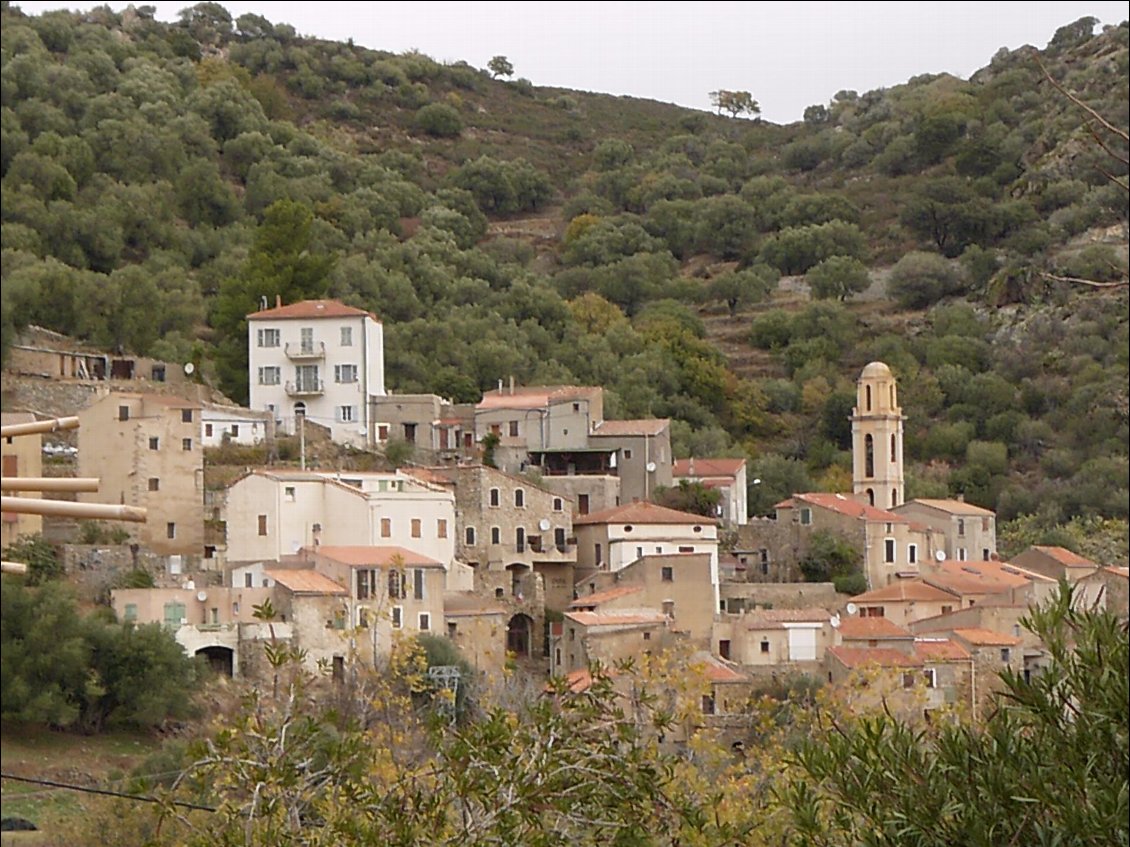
x=523, y=529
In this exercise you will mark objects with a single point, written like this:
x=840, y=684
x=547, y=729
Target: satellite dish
x=651, y=467
x=362, y=430
x=543, y=524
x=201, y=596
x=940, y=555
x=851, y=608
x=756, y=481
x=189, y=369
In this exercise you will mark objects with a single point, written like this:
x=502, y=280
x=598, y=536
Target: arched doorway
x=220, y=659
x=518, y=635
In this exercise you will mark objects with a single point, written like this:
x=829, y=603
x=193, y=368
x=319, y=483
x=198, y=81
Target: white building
x=727, y=476
x=272, y=514
x=233, y=425
x=317, y=359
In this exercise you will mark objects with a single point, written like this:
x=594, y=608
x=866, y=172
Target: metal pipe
x=41, y=483
x=67, y=509
x=51, y=425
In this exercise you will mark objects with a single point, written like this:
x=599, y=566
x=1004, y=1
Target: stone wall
x=742, y=596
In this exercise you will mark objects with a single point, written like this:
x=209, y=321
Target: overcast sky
x=788, y=55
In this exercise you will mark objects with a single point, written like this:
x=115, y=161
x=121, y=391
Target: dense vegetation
x=159, y=180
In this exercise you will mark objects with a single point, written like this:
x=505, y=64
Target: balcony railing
x=314, y=350
x=305, y=388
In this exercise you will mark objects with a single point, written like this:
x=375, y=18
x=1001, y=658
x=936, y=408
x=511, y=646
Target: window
x=519, y=498
x=908, y=679
x=425, y=621
x=806, y=517
x=889, y=550
x=186, y=415
x=1006, y=655
x=985, y=555
x=559, y=538
x=707, y=704
x=724, y=648
x=262, y=524
x=520, y=539
x=386, y=527
x=513, y=429
x=123, y=413
x=363, y=618
x=869, y=456
x=558, y=504
x=894, y=449
x=345, y=373
x=249, y=580
x=947, y=609
x=306, y=339
x=669, y=608
x=347, y=414
x=382, y=432
x=962, y=554
x=765, y=646
x=397, y=617
x=494, y=498
x=912, y=553
x=207, y=430
x=270, y=375
x=453, y=630
x=415, y=527
x=131, y=612
x=873, y=612
x=495, y=535
x=583, y=504
x=235, y=430
x=366, y=584
x=170, y=530
x=931, y=677
x=627, y=454
x=154, y=443
x=186, y=444
x=639, y=552
x=667, y=574
x=154, y=484
x=347, y=336
x=289, y=494
x=441, y=528
x=418, y=584
x=685, y=548
x=268, y=337
x=469, y=536
x=395, y=585
x=647, y=636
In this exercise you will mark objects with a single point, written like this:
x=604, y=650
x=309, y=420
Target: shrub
x=439, y=120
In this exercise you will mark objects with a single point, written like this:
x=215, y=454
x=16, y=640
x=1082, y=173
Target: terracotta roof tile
x=589, y=601
x=358, y=556
x=883, y=657
x=705, y=468
x=305, y=309
x=868, y=628
x=844, y=505
x=642, y=513
x=1066, y=557
x=624, y=618
x=715, y=669
x=619, y=429
x=954, y=507
x=986, y=637
x=773, y=618
x=940, y=650
x=908, y=590
x=305, y=581
x=535, y=396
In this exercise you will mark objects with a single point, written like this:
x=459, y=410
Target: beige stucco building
x=146, y=450
x=22, y=456
x=969, y=532
x=904, y=602
x=320, y=360
x=1055, y=562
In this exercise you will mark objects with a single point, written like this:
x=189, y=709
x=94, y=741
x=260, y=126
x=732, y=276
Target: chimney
x=961, y=498
x=278, y=301
x=511, y=385
x=690, y=468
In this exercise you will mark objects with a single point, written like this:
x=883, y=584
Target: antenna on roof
x=263, y=303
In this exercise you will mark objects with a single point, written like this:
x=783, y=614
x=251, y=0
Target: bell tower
x=876, y=439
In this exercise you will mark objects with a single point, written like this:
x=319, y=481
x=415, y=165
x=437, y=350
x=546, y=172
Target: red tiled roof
x=642, y=513
x=615, y=429
x=1118, y=570
x=1066, y=557
x=954, y=507
x=715, y=669
x=358, y=556
x=871, y=628
x=625, y=618
x=940, y=650
x=905, y=590
x=704, y=468
x=883, y=657
x=844, y=505
x=534, y=396
x=598, y=597
x=579, y=680
x=980, y=577
x=306, y=309
x=774, y=618
x=305, y=581
x=986, y=637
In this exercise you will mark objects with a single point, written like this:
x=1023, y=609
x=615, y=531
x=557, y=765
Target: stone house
x=973, y=582
x=969, y=532
x=319, y=360
x=643, y=454
x=1055, y=563
x=221, y=425
x=905, y=601
x=22, y=456
x=608, y=637
x=536, y=419
x=1106, y=588
x=439, y=429
x=893, y=546
x=874, y=633
x=315, y=609
x=477, y=625
x=776, y=638
x=612, y=539
x=727, y=476
x=146, y=450
x=506, y=522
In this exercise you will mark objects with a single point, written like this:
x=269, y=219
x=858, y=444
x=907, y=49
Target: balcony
x=306, y=352
x=306, y=388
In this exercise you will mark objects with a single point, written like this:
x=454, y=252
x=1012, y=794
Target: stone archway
x=220, y=659
x=518, y=635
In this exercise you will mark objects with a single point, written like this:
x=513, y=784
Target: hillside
x=159, y=179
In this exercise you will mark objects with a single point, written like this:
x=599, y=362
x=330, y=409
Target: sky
x=787, y=55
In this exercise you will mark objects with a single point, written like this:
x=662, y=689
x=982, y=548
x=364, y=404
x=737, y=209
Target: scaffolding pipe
x=68, y=509
x=50, y=425
x=13, y=567
x=46, y=483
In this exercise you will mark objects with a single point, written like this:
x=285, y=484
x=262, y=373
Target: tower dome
x=876, y=435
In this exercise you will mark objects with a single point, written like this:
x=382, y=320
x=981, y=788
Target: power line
x=88, y=790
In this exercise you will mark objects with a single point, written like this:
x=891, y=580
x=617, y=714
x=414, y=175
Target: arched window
x=894, y=449
x=870, y=496
x=894, y=497
x=892, y=395
x=869, y=455
x=867, y=394
x=469, y=536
